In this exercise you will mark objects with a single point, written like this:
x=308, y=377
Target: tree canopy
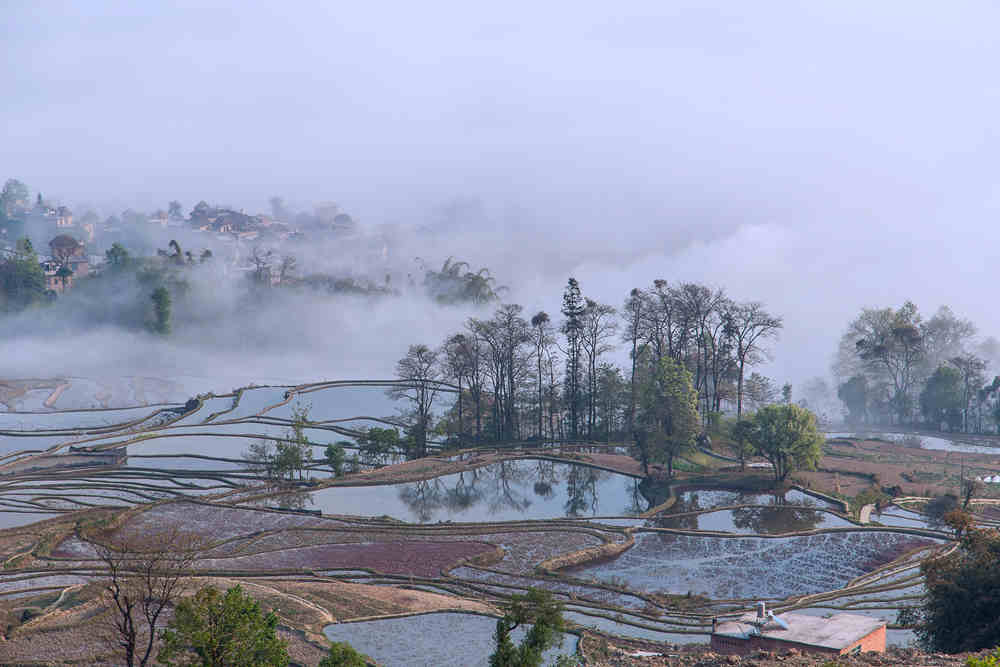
x=959, y=608
x=786, y=435
x=667, y=420
x=544, y=613
x=942, y=398
x=215, y=629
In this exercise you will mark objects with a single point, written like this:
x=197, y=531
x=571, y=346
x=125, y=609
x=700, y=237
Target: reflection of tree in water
x=289, y=500
x=545, y=478
x=581, y=490
x=464, y=494
x=496, y=485
x=504, y=486
x=503, y=494
x=667, y=519
x=424, y=498
x=638, y=503
x=776, y=518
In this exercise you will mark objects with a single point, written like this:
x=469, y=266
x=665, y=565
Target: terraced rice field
x=452, y=531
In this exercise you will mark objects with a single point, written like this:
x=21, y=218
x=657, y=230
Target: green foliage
x=117, y=256
x=161, y=311
x=22, y=281
x=786, y=435
x=343, y=654
x=854, y=394
x=452, y=285
x=212, y=629
x=666, y=422
x=14, y=196
x=959, y=609
x=990, y=660
x=539, y=608
x=942, y=400
x=336, y=456
x=377, y=443
x=739, y=432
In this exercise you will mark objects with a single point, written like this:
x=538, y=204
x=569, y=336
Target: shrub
x=343, y=654
x=223, y=629
x=958, y=612
x=991, y=660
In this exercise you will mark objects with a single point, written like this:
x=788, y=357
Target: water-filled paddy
x=750, y=567
x=612, y=627
x=445, y=639
x=923, y=441
x=766, y=520
x=701, y=499
x=340, y=402
x=507, y=491
x=71, y=420
x=897, y=516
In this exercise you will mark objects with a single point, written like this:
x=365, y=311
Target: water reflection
x=777, y=519
x=761, y=513
x=503, y=491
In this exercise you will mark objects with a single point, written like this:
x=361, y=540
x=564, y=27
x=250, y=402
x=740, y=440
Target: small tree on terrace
x=539, y=608
x=419, y=376
x=213, y=629
x=667, y=421
x=145, y=575
x=343, y=654
x=336, y=456
x=786, y=436
x=376, y=444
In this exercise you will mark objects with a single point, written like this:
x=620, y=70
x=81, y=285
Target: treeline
x=515, y=377
x=896, y=368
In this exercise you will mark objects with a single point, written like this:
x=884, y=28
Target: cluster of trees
x=515, y=378
x=895, y=367
x=456, y=283
x=519, y=378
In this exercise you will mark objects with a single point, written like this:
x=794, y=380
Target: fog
x=819, y=157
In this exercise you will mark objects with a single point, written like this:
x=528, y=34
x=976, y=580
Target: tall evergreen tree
x=573, y=309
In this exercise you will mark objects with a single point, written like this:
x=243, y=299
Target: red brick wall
x=732, y=646
x=874, y=642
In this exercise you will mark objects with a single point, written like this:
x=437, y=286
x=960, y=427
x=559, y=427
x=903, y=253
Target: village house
x=840, y=634
x=63, y=217
x=68, y=261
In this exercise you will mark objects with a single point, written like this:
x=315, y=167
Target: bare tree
x=460, y=363
x=748, y=325
x=287, y=268
x=633, y=312
x=897, y=350
x=146, y=573
x=543, y=340
x=971, y=367
x=261, y=260
x=599, y=326
x=420, y=377
x=504, y=335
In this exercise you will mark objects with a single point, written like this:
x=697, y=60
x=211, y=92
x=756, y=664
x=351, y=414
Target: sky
x=819, y=157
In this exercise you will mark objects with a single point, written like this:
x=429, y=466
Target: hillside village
x=70, y=246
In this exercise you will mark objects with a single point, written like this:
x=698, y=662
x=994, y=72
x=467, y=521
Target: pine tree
x=573, y=309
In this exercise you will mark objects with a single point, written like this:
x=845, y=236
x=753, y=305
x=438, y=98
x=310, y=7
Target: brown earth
x=702, y=658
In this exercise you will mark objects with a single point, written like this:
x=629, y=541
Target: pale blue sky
x=843, y=147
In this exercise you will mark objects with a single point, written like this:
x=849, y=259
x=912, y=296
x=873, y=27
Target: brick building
x=840, y=634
